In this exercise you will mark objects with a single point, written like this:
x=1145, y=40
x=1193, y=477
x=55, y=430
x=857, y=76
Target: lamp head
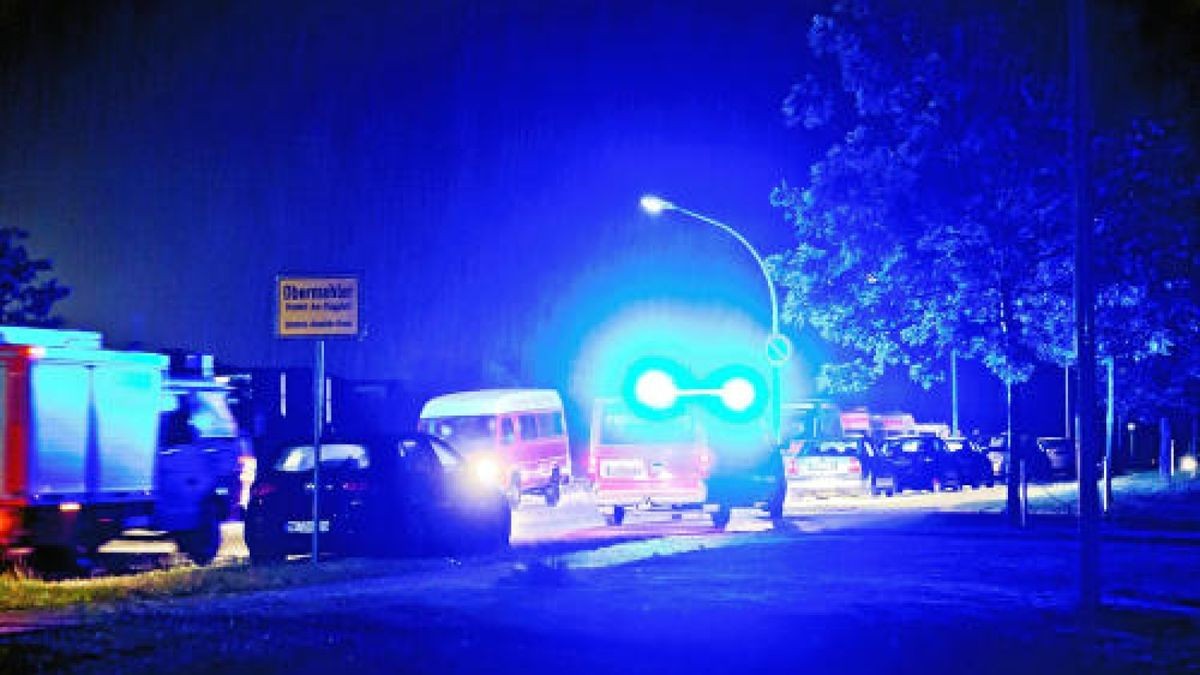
x=655, y=205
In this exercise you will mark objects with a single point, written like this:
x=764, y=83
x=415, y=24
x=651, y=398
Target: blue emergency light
x=660, y=388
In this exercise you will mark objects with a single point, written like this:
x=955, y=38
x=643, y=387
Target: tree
x=27, y=291
x=1148, y=314
x=935, y=219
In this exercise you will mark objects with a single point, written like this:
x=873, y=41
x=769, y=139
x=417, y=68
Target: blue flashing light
x=652, y=387
x=740, y=393
x=737, y=394
x=656, y=389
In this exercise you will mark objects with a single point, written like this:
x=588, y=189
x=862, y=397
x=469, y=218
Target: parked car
x=997, y=455
x=1055, y=458
x=921, y=463
x=849, y=466
x=974, y=467
x=410, y=493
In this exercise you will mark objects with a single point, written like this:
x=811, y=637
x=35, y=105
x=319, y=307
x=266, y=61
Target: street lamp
x=655, y=205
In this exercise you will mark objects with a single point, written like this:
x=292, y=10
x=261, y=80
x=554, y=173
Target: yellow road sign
x=317, y=306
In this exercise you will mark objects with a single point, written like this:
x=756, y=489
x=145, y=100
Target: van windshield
x=460, y=431
x=624, y=428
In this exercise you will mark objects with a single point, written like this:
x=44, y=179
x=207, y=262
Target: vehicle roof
x=490, y=402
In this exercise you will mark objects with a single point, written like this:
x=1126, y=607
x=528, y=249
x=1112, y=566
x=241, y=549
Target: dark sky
x=478, y=163
x=470, y=161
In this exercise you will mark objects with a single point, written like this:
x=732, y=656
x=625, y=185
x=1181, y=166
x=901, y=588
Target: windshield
x=844, y=449
x=907, y=445
x=623, y=428
x=466, y=430
x=336, y=455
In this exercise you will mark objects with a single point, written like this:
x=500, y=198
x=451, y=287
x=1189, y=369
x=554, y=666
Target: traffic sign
x=317, y=306
x=779, y=349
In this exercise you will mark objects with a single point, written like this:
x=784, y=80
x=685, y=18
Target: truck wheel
x=54, y=562
x=616, y=517
x=201, y=543
x=722, y=516
x=553, y=491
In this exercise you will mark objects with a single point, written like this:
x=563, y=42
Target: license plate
x=304, y=526
x=622, y=468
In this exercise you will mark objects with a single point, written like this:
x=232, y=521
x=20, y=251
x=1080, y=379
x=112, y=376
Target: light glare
x=655, y=389
x=737, y=394
x=654, y=205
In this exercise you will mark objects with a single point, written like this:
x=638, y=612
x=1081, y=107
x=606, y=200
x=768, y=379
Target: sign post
x=779, y=351
x=317, y=307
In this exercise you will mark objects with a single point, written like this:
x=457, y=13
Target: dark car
x=1054, y=458
x=975, y=469
x=921, y=463
x=746, y=471
x=409, y=493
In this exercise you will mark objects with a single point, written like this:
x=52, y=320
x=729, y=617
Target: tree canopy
x=938, y=219
x=28, y=291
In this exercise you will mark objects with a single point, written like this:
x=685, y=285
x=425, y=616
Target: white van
x=516, y=438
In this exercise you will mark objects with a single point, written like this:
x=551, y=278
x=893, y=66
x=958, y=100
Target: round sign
x=779, y=349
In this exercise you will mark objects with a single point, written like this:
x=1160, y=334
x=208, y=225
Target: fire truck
x=95, y=442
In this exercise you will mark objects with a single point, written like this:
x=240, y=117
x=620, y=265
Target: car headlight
x=1187, y=463
x=486, y=470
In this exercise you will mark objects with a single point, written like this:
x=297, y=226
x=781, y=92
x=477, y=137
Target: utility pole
x=1085, y=320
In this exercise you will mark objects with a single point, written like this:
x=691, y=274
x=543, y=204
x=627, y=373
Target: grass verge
x=18, y=592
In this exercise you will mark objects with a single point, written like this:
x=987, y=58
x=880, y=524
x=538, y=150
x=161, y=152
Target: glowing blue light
x=656, y=389
x=652, y=387
x=738, y=394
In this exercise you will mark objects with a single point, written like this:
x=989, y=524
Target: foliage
x=1146, y=204
x=935, y=221
x=938, y=219
x=27, y=292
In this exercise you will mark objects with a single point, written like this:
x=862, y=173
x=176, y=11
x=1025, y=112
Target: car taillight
x=354, y=486
x=855, y=465
x=263, y=489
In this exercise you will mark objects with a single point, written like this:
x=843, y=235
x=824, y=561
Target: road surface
x=846, y=587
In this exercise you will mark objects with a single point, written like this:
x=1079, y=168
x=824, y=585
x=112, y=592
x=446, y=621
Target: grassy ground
x=18, y=592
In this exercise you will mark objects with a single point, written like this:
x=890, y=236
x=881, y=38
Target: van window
x=507, y=435
x=462, y=430
x=529, y=430
x=550, y=424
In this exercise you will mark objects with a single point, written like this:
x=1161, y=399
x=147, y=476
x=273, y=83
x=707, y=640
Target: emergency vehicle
x=94, y=442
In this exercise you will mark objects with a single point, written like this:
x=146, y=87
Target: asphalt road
x=918, y=583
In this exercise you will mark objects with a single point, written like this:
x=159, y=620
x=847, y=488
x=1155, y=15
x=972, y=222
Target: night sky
x=478, y=163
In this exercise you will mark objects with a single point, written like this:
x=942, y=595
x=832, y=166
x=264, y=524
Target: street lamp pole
x=656, y=205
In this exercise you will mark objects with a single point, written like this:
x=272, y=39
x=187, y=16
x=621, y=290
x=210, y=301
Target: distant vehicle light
x=486, y=470
x=655, y=389
x=70, y=507
x=738, y=394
